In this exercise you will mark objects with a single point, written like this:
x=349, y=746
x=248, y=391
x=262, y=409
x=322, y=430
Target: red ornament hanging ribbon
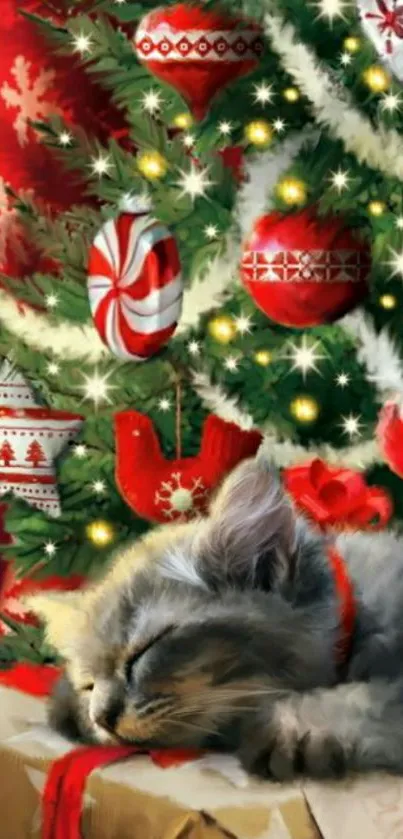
x=197, y=51
x=337, y=497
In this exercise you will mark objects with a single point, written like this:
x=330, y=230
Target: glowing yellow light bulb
x=183, y=121
x=263, y=357
x=152, y=165
x=100, y=533
x=376, y=208
x=388, y=301
x=376, y=78
x=305, y=409
x=292, y=191
x=291, y=94
x=259, y=132
x=352, y=43
x=222, y=329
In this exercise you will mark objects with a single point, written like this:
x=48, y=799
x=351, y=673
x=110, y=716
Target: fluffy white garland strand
x=378, y=353
x=380, y=148
x=82, y=343
x=282, y=453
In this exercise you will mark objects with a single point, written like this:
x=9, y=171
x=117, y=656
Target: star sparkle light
x=51, y=301
x=279, y=125
x=65, y=138
x=82, y=43
x=211, y=231
x=97, y=388
x=263, y=93
x=99, y=487
x=151, y=101
x=399, y=222
x=243, y=324
x=101, y=165
x=396, y=263
x=194, y=347
x=232, y=363
x=164, y=404
x=80, y=450
x=195, y=182
x=352, y=425
x=330, y=10
x=50, y=548
x=340, y=180
x=225, y=127
x=346, y=59
x=53, y=368
x=188, y=141
x=342, y=380
x=304, y=356
x=391, y=102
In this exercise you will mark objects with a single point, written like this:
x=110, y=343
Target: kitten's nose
x=109, y=716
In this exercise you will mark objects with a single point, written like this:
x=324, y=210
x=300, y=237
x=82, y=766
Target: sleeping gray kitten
x=224, y=633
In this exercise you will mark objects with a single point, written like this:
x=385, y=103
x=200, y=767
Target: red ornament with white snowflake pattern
x=302, y=270
x=196, y=50
x=162, y=490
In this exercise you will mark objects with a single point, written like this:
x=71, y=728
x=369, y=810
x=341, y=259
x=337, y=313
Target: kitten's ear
x=251, y=534
x=63, y=614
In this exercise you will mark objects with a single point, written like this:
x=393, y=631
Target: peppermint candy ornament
x=382, y=21
x=197, y=51
x=135, y=285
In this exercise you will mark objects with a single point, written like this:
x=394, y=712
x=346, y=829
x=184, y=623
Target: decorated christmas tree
x=225, y=274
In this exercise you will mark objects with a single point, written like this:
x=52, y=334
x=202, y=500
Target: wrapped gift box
x=211, y=798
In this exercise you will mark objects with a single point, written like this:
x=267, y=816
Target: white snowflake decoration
x=177, y=500
x=27, y=96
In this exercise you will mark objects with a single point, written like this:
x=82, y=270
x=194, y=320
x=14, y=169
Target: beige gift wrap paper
x=208, y=799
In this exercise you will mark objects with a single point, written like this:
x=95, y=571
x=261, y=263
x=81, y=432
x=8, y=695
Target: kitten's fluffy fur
x=223, y=632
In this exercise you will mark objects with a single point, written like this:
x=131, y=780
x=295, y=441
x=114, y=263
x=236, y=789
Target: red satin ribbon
x=62, y=799
x=337, y=497
x=347, y=605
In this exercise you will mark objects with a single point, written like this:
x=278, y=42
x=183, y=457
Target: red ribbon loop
x=337, y=497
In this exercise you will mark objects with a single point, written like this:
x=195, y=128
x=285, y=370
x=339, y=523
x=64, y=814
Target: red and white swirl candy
x=135, y=285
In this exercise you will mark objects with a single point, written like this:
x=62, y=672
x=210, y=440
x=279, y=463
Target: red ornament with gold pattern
x=302, y=270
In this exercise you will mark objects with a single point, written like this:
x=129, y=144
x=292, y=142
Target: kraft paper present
x=208, y=799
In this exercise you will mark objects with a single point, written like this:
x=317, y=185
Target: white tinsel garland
x=381, y=148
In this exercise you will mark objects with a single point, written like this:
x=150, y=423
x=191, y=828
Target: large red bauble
x=389, y=434
x=197, y=51
x=304, y=271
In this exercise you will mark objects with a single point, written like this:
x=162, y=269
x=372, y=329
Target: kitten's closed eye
x=137, y=654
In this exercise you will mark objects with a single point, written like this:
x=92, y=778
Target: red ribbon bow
x=337, y=497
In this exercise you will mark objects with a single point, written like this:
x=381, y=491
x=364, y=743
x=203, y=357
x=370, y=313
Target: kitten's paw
x=290, y=750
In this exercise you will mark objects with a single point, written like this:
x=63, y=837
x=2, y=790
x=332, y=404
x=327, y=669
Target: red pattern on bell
x=304, y=271
x=197, y=51
x=164, y=490
x=389, y=434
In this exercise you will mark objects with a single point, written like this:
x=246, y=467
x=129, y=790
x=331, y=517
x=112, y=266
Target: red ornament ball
x=135, y=285
x=304, y=271
x=197, y=51
x=389, y=434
